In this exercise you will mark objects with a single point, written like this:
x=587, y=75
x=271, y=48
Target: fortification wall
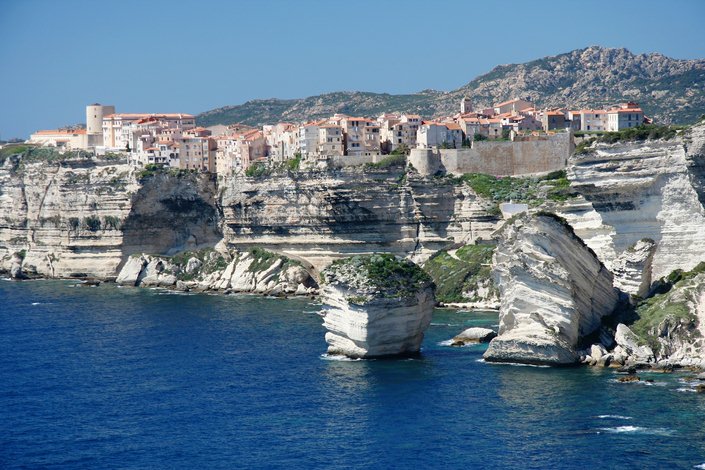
x=500, y=158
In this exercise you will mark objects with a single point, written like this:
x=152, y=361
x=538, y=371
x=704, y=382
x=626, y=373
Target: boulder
x=378, y=305
x=632, y=269
x=131, y=271
x=474, y=335
x=553, y=289
x=628, y=342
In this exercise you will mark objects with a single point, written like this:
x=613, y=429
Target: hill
x=670, y=90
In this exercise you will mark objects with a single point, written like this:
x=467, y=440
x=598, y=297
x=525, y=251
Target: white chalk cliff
x=553, y=291
x=370, y=317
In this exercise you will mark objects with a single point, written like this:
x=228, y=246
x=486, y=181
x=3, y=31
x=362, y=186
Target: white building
x=435, y=134
x=624, y=116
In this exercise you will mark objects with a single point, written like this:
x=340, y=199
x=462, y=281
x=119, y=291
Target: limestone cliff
x=79, y=215
x=257, y=271
x=378, y=306
x=642, y=190
x=321, y=216
x=553, y=290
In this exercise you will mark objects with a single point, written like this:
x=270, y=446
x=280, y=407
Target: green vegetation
x=393, y=160
x=92, y=223
x=403, y=149
x=295, y=163
x=554, y=186
x=22, y=254
x=262, y=259
x=478, y=137
x=111, y=222
x=257, y=170
x=150, y=170
x=670, y=303
x=464, y=272
x=640, y=133
x=392, y=277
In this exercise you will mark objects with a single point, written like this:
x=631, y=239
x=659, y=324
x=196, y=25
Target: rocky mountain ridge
x=669, y=90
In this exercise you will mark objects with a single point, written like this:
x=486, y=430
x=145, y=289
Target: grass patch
x=395, y=160
x=454, y=276
x=383, y=273
x=554, y=186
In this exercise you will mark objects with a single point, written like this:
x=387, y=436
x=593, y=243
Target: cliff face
x=553, y=292
x=320, y=217
x=377, y=306
x=70, y=215
x=650, y=190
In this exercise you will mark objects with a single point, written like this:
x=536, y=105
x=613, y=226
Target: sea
x=108, y=377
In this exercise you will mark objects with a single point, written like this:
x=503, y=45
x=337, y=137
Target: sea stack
x=553, y=292
x=378, y=305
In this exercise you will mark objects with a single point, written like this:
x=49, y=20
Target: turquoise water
x=133, y=378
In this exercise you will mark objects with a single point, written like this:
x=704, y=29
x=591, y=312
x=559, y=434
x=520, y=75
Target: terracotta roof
x=625, y=110
x=134, y=116
x=452, y=126
x=61, y=132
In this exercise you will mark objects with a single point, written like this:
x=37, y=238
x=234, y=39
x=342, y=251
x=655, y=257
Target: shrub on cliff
x=381, y=274
x=463, y=272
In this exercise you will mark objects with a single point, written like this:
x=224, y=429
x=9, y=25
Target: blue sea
x=107, y=377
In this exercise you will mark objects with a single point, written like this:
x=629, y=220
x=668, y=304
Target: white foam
x=36, y=303
x=684, y=389
x=516, y=364
x=638, y=430
x=702, y=465
x=447, y=342
x=614, y=417
x=337, y=357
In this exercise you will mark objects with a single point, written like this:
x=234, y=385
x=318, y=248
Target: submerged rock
x=474, y=335
x=553, y=291
x=380, y=305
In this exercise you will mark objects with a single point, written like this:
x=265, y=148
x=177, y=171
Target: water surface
x=113, y=377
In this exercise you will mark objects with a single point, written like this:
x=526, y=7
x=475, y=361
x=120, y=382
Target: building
x=593, y=120
x=282, y=141
x=512, y=106
x=308, y=138
x=236, y=151
x=553, y=120
x=398, y=131
x=435, y=134
x=330, y=140
x=362, y=136
x=120, y=130
x=624, y=116
x=465, y=105
x=94, y=123
x=69, y=138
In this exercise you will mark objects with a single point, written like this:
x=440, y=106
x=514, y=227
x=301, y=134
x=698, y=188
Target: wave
x=638, y=430
x=447, y=342
x=702, y=465
x=613, y=417
x=339, y=358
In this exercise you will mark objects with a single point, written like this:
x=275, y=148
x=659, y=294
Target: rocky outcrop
x=631, y=191
x=322, y=216
x=257, y=271
x=378, y=305
x=77, y=215
x=474, y=335
x=671, y=324
x=553, y=290
x=632, y=269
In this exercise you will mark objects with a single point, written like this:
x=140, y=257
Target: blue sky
x=191, y=56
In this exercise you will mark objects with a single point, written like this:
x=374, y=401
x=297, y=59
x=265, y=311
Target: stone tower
x=465, y=105
x=94, y=123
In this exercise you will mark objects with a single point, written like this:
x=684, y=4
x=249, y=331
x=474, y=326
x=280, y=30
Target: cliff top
x=378, y=275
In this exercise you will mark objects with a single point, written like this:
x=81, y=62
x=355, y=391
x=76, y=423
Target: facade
x=624, y=116
x=435, y=134
x=362, y=136
x=70, y=139
x=330, y=140
x=593, y=120
x=120, y=131
x=512, y=106
x=282, y=141
x=94, y=123
x=398, y=131
x=553, y=120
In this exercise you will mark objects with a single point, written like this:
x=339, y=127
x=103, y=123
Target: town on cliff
x=176, y=140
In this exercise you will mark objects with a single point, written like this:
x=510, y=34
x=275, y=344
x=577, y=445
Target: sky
x=149, y=56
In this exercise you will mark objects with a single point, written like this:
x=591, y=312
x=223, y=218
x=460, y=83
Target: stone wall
x=499, y=158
